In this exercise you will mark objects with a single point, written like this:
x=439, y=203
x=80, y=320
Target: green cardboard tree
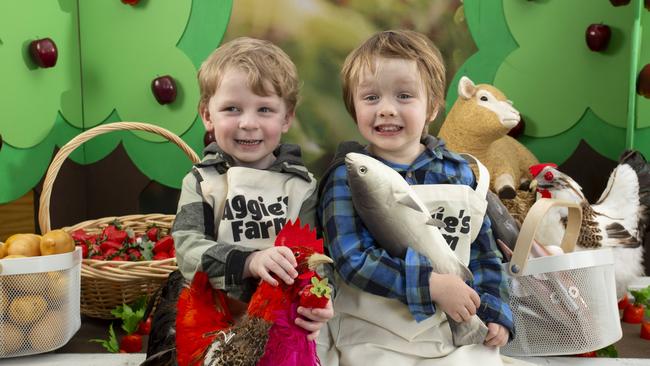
x=535, y=51
x=109, y=53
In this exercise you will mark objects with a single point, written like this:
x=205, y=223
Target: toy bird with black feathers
x=207, y=334
x=618, y=220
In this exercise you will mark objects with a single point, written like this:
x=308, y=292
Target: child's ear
x=433, y=114
x=204, y=112
x=288, y=120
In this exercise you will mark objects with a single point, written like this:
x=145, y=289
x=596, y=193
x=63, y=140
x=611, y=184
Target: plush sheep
x=478, y=124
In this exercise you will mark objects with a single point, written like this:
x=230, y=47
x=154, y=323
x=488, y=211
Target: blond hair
x=264, y=63
x=403, y=44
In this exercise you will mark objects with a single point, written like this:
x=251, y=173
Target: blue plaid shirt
x=362, y=263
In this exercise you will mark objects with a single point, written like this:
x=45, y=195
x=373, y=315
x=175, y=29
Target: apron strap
x=483, y=179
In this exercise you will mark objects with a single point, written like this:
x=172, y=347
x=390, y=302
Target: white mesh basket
x=562, y=304
x=39, y=303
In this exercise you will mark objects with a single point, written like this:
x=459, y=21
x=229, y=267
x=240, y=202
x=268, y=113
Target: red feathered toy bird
x=267, y=335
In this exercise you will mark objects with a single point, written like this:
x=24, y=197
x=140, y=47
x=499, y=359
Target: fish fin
x=437, y=223
x=408, y=201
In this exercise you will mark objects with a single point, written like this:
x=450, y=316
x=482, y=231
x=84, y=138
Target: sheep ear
x=466, y=87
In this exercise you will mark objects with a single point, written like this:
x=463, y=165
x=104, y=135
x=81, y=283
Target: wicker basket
x=107, y=284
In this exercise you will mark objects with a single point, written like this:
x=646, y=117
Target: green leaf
x=130, y=318
x=111, y=344
x=140, y=303
x=609, y=351
x=641, y=297
x=117, y=312
x=147, y=250
x=320, y=287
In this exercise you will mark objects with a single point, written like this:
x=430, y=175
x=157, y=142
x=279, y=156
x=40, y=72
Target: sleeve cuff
x=418, y=297
x=235, y=262
x=493, y=310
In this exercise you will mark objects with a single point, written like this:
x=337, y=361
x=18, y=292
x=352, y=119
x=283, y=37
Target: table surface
x=632, y=349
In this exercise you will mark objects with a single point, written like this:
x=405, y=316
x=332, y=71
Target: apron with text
x=254, y=204
x=374, y=330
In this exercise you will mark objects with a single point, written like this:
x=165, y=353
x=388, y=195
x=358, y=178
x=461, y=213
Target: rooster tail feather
x=617, y=232
x=162, y=336
x=201, y=312
x=638, y=163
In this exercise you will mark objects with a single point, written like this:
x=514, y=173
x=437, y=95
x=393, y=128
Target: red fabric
x=293, y=235
x=200, y=311
x=536, y=169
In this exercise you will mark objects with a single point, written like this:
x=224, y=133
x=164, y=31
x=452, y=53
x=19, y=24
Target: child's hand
x=277, y=260
x=316, y=318
x=453, y=296
x=497, y=335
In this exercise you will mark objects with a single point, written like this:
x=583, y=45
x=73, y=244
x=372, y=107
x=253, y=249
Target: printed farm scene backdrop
x=576, y=72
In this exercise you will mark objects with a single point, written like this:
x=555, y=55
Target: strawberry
x=84, y=250
x=144, y=327
x=163, y=245
x=624, y=302
x=98, y=257
x=153, y=234
x=161, y=255
x=107, y=245
x=645, y=330
x=110, y=253
x=131, y=343
x=120, y=257
x=80, y=236
x=134, y=254
x=114, y=233
x=587, y=354
x=633, y=314
x=315, y=295
x=130, y=2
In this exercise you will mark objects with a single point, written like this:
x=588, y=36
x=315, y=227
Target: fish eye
x=296, y=254
x=363, y=170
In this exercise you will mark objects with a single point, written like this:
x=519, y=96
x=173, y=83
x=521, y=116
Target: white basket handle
x=529, y=228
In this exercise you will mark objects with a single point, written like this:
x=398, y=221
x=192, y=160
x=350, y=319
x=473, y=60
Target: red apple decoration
x=598, y=36
x=619, y=2
x=643, y=82
x=164, y=89
x=44, y=52
x=130, y=2
x=208, y=138
x=518, y=130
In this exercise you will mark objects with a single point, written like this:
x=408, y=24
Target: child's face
x=391, y=109
x=246, y=126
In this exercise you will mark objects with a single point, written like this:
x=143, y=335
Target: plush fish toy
x=395, y=216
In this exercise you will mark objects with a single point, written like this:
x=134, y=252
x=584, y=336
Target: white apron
x=253, y=204
x=377, y=331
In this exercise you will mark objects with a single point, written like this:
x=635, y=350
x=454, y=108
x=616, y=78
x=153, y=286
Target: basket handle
x=529, y=228
x=67, y=149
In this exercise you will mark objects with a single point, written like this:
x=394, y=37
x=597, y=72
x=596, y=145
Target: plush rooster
x=618, y=220
x=267, y=335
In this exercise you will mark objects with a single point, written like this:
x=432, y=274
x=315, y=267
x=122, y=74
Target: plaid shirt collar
x=434, y=149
